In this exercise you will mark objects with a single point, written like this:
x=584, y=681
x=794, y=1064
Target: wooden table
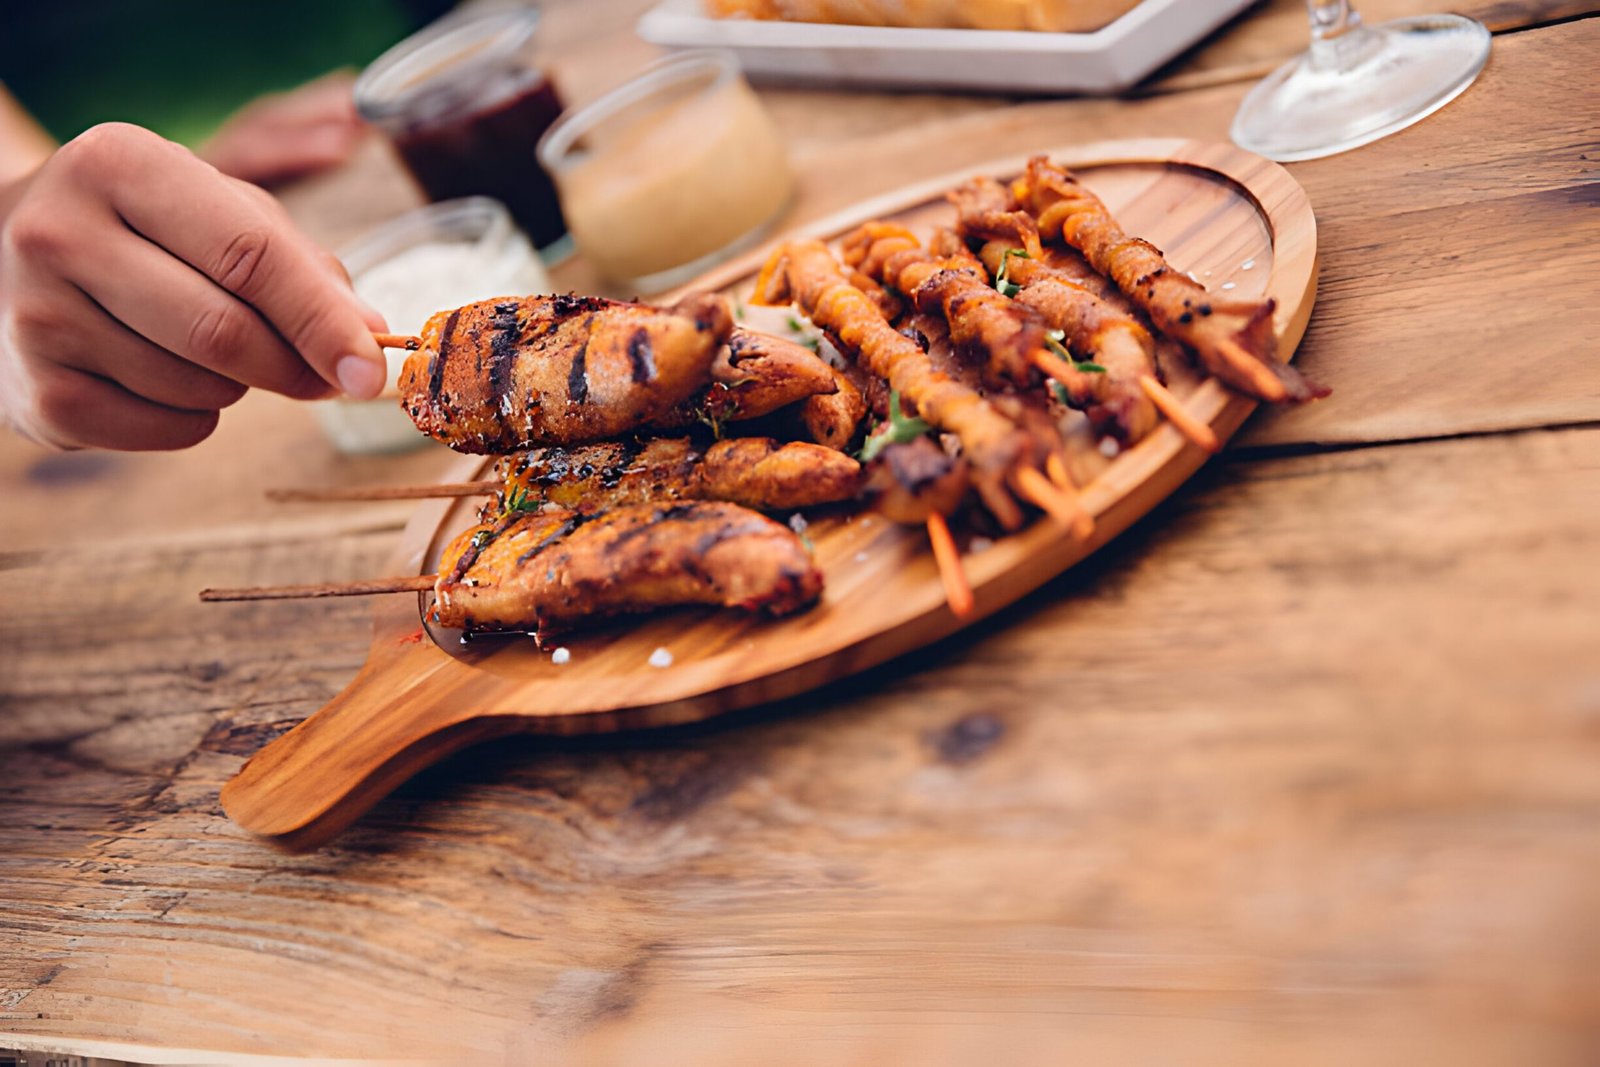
x=1304, y=769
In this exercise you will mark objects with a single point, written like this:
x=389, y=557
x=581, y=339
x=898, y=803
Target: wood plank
x=1304, y=771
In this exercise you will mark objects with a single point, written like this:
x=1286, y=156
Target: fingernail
x=360, y=378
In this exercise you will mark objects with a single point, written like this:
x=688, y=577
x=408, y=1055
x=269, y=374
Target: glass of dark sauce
x=464, y=102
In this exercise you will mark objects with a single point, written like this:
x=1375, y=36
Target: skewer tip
x=408, y=342
x=1186, y=423
x=1061, y=503
x=957, y=591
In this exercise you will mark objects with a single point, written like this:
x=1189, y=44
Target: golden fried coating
x=1233, y=339
x=807, y=272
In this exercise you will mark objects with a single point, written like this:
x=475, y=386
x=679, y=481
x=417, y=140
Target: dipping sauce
x=465, y=104
x=671, y=172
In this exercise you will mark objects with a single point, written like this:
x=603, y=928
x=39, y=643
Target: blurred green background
x=180, y=67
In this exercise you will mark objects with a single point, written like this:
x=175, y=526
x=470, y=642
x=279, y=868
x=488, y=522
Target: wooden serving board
x=1230, y=218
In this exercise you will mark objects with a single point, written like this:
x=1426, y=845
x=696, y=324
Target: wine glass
x=1358, y=83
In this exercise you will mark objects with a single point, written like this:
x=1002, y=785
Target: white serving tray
x=1106, y=61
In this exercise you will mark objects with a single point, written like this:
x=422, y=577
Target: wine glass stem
x=1336, y=34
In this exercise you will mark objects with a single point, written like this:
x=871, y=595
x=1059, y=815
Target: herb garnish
x=1002, y=283
x=704, y=413
x=901, y=429
x=517, y=501
x=1052, y=339
x=803, y=334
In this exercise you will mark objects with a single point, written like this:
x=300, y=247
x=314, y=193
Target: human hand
x=287, y=135
x=141, y=291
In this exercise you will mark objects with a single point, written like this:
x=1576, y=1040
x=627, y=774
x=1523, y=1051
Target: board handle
x=307, y=786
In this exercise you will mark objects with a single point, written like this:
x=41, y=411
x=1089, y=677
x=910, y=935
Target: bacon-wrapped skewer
x=997, y=450
x=1010, y=339
x=1234, y=339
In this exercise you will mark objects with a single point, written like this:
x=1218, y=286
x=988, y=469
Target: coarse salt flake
x=1247, y=264
x=661, y=658
x=1109, y=447
x=979, y=544
x=1229, y=285
x=560, y=656
x=797, y=523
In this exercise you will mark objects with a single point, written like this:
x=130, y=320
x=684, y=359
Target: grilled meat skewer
x=508, y=373
x=756, y=472
x=1233, y=339
x=806, y=272
x=554, y=570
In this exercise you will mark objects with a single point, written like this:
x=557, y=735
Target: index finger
x=186, y=206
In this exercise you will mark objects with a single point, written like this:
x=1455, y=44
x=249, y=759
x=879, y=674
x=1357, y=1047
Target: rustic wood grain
x=1331, y=801
x=1303, y=768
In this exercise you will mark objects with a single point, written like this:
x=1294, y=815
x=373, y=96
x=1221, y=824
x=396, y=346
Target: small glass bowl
x=670, y=173
x=434, y=258
x=464, y=102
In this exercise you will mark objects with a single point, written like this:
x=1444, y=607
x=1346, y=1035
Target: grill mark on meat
x=629, y=451
x=578, y=377
x=567, y=305
x=480, y=541
x=555, y=463
x=672, y=513
x=551, y=538
x=502, y=356
x=642, y=356
x=436, y=380
x=712, y=538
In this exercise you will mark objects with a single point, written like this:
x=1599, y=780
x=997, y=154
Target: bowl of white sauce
x=438, y=257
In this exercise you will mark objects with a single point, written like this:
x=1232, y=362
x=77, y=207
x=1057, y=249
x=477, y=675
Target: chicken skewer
x=756, y=472
x=552, y=570
x=753, y=375
x=508, y=373
x=1234, y=340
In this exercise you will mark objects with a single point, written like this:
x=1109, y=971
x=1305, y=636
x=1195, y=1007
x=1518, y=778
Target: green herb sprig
x=901, y=430
x=803, y=335
x=1002, y=282
x=517, y=501
x=1053, y=339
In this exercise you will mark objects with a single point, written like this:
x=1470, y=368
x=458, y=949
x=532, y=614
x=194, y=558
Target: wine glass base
x=1386, y=77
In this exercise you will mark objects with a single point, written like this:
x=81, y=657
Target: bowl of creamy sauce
x=669, y=173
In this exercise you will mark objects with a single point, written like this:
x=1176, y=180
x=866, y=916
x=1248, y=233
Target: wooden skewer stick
x=384, y=492
x=1057, y=368
x=1060, y=504
x=1263, y=382
x=957, y=592
x=1187, y=424
x=417, y=583
x=398, y=340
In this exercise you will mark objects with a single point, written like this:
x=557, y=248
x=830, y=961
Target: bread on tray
x=1057, y=16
